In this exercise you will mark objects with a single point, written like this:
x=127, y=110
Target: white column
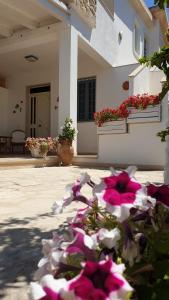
x=68, y=61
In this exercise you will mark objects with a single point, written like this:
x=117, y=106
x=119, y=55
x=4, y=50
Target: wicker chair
x=18, y=140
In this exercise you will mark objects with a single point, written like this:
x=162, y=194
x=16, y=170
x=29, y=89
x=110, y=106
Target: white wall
x=101, y=38
x=139, y=81
x=110, y=91
x=140, y=146
x=3, y=110
x=18, y=92
x=87, y=138
x=155, y=80
x=125, y=17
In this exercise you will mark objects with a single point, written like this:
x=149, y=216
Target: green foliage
x=44, y=148
x=162, y=3
x=68, y=132
x=163, y=133
x=160, y=60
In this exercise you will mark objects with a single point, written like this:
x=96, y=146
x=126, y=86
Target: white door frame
x=27, y=119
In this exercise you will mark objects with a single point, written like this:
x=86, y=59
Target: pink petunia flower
x=160, y=193
x=101, y=281
x=119, y=194
x=48, y=288
x=82, y=244
x=74, y=194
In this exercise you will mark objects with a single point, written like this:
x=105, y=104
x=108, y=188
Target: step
x=85, y=160
x=27, y=162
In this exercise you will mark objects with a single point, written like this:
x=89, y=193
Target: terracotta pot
x=35, y=152
x=65, y=152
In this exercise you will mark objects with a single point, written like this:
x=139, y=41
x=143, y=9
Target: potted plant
x=39, y=147
x=65, y=148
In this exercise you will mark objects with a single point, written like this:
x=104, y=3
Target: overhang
x=143, y=11
x=19, y=15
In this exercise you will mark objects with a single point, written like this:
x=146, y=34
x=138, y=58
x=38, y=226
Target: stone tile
x=26, y=198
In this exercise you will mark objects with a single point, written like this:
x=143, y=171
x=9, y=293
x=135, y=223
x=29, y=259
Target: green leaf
x=161, y=291
x=162, y=269
x=144, y=292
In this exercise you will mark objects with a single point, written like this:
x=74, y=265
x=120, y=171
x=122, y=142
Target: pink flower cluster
x=32, y=143
x=123, y=111
x=82, y=263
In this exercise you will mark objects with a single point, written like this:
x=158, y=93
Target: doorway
x=39, y=111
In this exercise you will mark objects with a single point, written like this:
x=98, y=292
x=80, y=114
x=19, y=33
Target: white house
x=69, y=58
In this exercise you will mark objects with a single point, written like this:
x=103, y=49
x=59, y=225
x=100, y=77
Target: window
x=86, y=99
x=136, y=40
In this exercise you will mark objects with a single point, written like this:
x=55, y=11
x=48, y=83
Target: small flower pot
x=36, y=153
x=65, y=152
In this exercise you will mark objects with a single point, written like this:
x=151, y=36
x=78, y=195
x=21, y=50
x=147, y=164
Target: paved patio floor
x=26, y=198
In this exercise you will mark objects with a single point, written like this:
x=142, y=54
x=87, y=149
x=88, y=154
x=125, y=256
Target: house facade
x=70, y=58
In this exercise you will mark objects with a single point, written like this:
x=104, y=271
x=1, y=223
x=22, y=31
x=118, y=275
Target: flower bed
x=116, y=247
x=133, y=104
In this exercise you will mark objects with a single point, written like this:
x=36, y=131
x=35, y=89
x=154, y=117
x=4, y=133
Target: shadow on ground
x=20, y=251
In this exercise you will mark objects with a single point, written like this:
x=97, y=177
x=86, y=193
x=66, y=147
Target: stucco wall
x=18, y=92
x=102, y=37
x=124, y=20
x=110, y=91
x=3, y=110
x=140, y=81
x=140, y=146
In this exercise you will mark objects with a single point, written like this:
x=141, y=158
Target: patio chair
x=18, y=140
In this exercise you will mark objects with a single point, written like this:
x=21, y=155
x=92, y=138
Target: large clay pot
x=65, y=152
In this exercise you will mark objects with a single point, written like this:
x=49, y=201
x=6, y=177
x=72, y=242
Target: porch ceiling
x=13, y=63
x=17, y=15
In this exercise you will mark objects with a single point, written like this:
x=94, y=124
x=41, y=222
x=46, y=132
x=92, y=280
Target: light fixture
x=31, y=58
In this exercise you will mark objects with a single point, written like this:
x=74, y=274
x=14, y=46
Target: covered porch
x=40, y=65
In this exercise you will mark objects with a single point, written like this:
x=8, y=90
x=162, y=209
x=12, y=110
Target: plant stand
x=113, y=127
x=148, y=115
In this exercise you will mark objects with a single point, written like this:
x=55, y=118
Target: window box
x=113, y=127
x=148, y=115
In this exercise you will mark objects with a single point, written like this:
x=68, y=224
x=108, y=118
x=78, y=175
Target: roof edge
x=143, y=11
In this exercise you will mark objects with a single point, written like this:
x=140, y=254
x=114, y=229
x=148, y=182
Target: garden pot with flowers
x=65, y=148
x=142, y=108
x=111, y=120
x=39, y=147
